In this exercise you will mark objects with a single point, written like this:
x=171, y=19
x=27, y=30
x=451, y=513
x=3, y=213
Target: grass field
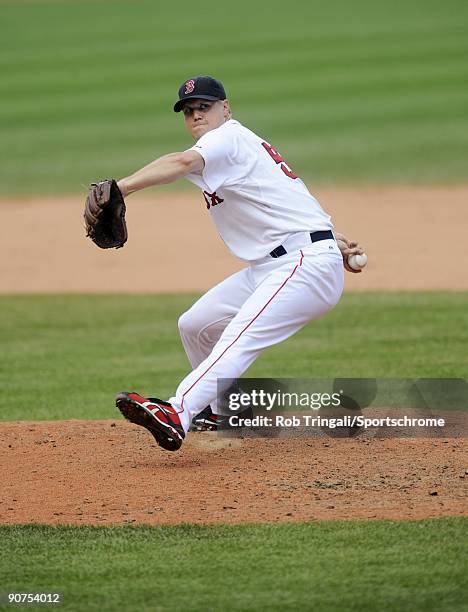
x=355, y=566
x=349, y=92
x=72, y=353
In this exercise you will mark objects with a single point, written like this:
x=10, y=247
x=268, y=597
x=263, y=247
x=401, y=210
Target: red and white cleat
x=158, y=417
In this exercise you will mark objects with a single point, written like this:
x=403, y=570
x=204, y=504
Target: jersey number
x=276, y=157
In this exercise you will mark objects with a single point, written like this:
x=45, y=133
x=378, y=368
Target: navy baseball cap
x=202, y=87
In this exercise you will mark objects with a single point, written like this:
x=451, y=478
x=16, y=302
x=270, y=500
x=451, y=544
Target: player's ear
x=226, y=109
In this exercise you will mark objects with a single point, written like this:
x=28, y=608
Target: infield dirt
x=414, y=236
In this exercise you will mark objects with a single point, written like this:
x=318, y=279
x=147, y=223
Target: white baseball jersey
x=253, y=197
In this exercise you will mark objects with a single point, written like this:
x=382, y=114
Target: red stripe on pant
x=245, y=328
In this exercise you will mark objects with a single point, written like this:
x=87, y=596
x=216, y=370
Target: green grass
x=348, y=566
x=66, y=356
x=362, y=91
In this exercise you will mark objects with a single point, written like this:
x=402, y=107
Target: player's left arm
x=165, y=169
x=348, y=247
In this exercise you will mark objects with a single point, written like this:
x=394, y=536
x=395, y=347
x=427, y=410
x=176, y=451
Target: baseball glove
x=105, y=215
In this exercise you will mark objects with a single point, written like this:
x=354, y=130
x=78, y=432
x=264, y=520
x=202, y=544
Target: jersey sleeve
x=226, y=160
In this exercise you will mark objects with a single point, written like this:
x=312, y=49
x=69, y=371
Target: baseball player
x=266, y=216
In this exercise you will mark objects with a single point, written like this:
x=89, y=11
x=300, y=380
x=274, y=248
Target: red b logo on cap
x=189, y=86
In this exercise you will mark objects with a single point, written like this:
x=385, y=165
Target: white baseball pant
x=228, y=327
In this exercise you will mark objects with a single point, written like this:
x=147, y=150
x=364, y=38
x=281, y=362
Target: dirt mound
x=111, y=472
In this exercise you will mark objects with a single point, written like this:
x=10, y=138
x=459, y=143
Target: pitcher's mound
x=111, y=472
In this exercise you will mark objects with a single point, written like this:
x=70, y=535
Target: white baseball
x=356, y=262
